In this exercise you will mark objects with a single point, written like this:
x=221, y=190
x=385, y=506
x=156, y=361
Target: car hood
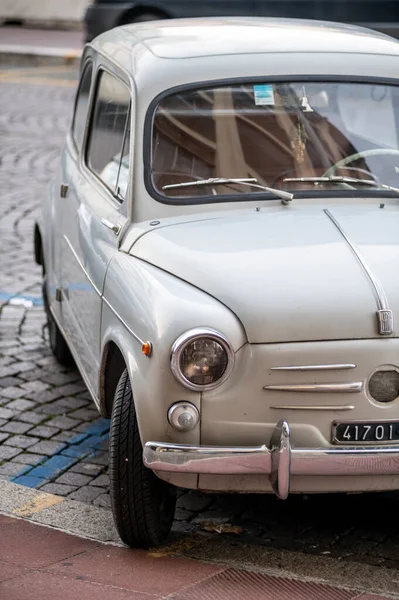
x=287, y=273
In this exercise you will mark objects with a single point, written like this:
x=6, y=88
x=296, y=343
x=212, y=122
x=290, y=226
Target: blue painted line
x=53, y=467
x=29, y=481
x=35, y=300
x=95, y=437
x=75, y=451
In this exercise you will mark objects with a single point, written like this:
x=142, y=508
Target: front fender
x=155, y=306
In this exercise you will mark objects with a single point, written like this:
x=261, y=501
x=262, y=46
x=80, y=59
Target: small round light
x=384, y=385
x=202, y=359
x=183, y=416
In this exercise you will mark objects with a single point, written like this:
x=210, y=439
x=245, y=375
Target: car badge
x=385, y=322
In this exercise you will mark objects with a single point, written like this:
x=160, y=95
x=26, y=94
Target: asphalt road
x=51, y=437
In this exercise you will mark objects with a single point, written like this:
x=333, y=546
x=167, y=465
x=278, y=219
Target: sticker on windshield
x=264, y=95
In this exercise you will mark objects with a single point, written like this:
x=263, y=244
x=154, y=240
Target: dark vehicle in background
x=382, y=15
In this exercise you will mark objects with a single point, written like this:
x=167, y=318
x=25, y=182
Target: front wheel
x=143, y=505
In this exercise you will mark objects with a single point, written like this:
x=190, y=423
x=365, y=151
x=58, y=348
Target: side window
x=81, y=105
x=108, y=146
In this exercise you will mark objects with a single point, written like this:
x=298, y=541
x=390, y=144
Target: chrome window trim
x=331, y=367
x=190, y=336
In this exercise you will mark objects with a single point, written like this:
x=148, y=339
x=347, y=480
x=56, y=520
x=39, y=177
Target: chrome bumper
x=279, y=461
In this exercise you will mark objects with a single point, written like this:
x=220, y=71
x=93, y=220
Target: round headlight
x=202, y=359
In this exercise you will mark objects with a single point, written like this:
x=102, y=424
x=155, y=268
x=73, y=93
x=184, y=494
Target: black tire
x=140, y=18
x=58, y=344
x=143, y=505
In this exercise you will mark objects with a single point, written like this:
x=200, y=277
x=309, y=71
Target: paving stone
x=104, y=501
x=76, y=479
x=16, y=368
x=53, y=467
x=60, y=378
x=28, y=458
x=4, y=436
x=47, y=447
x=6, y=413
x=87, y=493
x=57, y=488
x=10, y=468
x=65, y=423
x=8, y=452
x=101, y=481
x=21, y=405
x=85, y=414
x=12, y=393
x=64, y=436
x=71, y=388
x=33, y=374
x=16, y=427
x=34, y=386
x=50, y=409
x=44, y=395
x=44, y=431
x=32, y=417
x=99, y=458
x=87, y=468
x=21, y=441
x=6, y=382
x=70, y=404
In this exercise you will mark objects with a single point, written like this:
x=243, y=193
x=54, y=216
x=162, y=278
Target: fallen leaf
x=222, y=527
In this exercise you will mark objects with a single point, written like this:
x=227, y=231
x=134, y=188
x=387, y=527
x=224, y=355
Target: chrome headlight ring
x=191, y=336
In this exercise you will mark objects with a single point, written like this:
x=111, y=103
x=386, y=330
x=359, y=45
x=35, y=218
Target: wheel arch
x=113, y=364
x=38, y=245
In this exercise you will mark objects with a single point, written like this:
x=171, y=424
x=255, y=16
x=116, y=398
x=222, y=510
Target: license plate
x=356, y=432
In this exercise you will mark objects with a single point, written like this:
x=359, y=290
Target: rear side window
x=81, y=106
x=108, y=146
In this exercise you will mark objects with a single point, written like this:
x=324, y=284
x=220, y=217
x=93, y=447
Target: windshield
x=275, y=133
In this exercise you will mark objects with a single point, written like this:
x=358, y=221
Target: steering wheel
x=357, y=155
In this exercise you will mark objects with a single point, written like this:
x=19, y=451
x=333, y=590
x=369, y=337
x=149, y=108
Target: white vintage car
x=220, y=250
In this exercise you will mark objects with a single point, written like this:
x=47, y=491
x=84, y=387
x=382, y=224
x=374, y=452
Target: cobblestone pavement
x=50, y=434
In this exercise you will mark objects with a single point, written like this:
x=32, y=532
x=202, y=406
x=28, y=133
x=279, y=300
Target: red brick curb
x=42, y=563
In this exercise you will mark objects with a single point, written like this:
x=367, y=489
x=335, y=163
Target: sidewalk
x=39, y=46
x=37, y=562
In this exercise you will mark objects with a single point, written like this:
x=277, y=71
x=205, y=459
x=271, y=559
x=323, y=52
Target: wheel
x=143, y=505
x=58, y=344
x=142, y=17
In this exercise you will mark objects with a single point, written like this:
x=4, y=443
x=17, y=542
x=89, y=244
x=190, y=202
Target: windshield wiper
x=285, y=196
x=339, y=179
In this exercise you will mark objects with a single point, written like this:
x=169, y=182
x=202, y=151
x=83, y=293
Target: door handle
x=112, y=226
x=64, y=190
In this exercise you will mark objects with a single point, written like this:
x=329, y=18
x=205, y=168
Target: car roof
x=193, y=38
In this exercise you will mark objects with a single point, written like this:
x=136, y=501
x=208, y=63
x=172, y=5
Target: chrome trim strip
x=384, y=314
x=190, y=336
x=335, y=388
x=280, y=461
x=337, y=367
x=117, y=315
x=82, y=266
x=310, y=407
x=136, y=337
